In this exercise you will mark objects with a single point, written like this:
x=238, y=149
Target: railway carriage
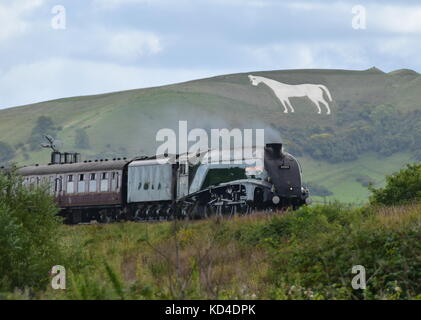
x=84, y=191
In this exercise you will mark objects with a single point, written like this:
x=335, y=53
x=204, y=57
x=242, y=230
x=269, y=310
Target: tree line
x=382, y=129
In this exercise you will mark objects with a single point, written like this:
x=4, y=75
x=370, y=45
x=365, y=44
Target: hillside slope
x=125, y=123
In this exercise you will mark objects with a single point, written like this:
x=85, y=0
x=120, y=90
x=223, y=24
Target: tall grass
x=306, y=254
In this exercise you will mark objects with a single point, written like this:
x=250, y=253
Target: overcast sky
x=111, y=45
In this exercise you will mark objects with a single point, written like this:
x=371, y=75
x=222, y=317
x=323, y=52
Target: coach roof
x=74, y=167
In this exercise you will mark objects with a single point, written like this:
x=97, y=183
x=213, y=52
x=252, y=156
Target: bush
x=28, y=235
x=325, y=242
x=401, y=187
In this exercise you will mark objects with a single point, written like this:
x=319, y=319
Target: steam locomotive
x=187, y=186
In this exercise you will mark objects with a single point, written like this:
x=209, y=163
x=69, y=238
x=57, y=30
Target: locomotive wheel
x=189, y=210
x=104, y=216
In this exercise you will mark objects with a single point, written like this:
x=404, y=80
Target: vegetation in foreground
x=29, y=235
x=306, y=254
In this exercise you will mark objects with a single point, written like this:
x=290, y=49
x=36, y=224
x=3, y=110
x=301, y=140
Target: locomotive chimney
x=276, y=149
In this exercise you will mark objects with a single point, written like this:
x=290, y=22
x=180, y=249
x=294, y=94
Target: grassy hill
x=125, y=123
x=342, y=178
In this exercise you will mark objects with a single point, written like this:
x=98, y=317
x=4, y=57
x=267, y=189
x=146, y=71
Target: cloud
x=402, y=18
x=306, y=5
x=400, y=48
x=13, y=22
x=394, y=18
x=112, y=4
x=301, y=55
x=131, y=45
x=58, y=78
x=111, y=45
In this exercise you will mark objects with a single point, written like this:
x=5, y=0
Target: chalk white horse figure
x=285, y=91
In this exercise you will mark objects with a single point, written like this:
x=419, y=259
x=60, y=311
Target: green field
x=340, y=178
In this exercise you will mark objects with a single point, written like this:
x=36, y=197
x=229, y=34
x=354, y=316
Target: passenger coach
x=84, y=191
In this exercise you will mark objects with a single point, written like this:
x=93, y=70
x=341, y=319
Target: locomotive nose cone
x=276, y=149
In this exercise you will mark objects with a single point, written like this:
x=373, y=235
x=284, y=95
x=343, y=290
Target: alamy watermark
x=58, y=22
x=228, y=145
x=59, y=277
x=359, y=281
x=359, y=20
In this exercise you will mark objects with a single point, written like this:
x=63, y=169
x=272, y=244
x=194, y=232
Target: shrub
x=401, y=187
x=322, y=248
x=28, y=235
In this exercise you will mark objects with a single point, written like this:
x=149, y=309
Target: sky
x=52, y=49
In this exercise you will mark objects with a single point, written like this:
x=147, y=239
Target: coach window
x=104, y=182
x=92, y=182
x=81, y=183
x=70, y=184
x=58, y=187
x=114, y=181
